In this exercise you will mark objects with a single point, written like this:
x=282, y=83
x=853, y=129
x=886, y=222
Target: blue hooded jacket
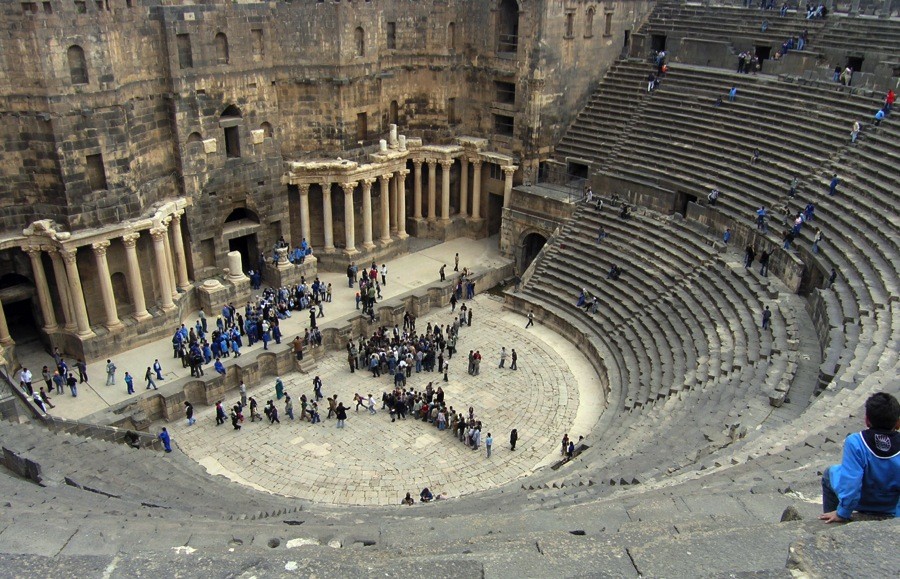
x=868, y=478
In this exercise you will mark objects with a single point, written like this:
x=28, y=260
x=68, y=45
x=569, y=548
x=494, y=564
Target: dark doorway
x=855, y=62
x=246, y=246
x=508, y=27
x=577, y=171
x=657, y=42
x=681, y=202
x=495, y=213
x=22, y=318
x=531, y=246
x=625, y=44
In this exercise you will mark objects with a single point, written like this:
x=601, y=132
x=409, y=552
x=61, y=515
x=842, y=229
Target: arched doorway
x=241, y=227
x=531, y=246
x=16, y=293
x=508, y=27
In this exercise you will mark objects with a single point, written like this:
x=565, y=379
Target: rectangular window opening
x=506, y=92
x=503, y=125
x=96, y=173
x=391, y=35
x=362, y=126
x=185, y=56
x=570, y=24
x=259, y=49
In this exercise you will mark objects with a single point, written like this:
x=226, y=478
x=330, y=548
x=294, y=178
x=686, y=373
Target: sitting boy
x=868, y=478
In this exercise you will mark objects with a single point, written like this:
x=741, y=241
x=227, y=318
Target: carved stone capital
x=303, y=188
x=100, y=247
x=446, y=163
x=158, y=233
x=367, y=183
x=130, y=239
x=385, y=178
x=403, y=172
x=348, y=187
x=68, y=255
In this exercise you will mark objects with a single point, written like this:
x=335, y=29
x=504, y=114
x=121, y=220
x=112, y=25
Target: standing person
x=220, y=414
x=469, y=318
x=272, y=412
x=530, y=319
x=73, y=384
x=764, y=263
x=82, y=370
x=297, y=344
x=726, y=237
x=189, y=413
x=48, y=377
x=832, y=187
x=288, y=406
x=766, y=318
x=503, y=355
x=317, y=388
x=166, y=440
x=279, y=388
x=25, y=378
x=854, y=132
x=148, y=376
x=488, y=442
x=243, y=391
x=513, y=438
x=514, y=357
x=383, y=274
x=110, y=373
x=565, y=444
x=817, y=240
x=441, y=271
x=868, y=478
x=732, y=94
x=341, y=415
x=456, y=262
x=129, y=382
x=749, y=256
x=157, y=368
x=59, y=380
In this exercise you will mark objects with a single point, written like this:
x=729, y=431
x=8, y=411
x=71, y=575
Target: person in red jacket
x=889, y=99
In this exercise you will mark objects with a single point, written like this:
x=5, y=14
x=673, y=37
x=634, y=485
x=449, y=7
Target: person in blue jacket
x=868, y=478
x=167, y=442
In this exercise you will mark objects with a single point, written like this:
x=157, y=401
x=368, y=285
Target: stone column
x=135, y=285
x=181, y=271
x=326, y=216
x=463, y=186
x=304, y=212
x=417, y=188
x=432, y=187
x=5, y=338
x=476, y=188
x=445, y=189
x=507, y=183
x=385, y=209
x=401, y=203
x=349, y=221
x=76, y=292
x=106, y=288
x=392, y=187
x=169, y=265
x=159, y=251
x=62, y=286
x=43, y=290
x=367, y=213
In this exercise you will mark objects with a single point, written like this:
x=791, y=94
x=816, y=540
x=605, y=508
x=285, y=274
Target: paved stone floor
x=405, y=274
x=375, y=462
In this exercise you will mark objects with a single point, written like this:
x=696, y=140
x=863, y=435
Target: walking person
x=530, y=319
x=514, y=357
x=441, y=271
x=817, y=240
x=288, y=406
x=488, y=442
x=157, y=368
x=766, y=318
x=513, y=438
x=341, y=415
x=455, y=262
x=166, y=439
x=503, y=356
x=189, y=413
x=73, y=384
x=110, y=373
x=82, y=371
x=148, y=376
x=129, y=382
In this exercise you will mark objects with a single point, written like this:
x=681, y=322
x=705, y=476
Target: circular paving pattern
x=373, y=461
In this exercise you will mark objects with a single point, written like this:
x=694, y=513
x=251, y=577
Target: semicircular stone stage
x=373, y=461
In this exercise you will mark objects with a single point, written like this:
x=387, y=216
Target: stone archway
x=531, y=245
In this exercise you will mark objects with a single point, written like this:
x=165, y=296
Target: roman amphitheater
x=158, y=156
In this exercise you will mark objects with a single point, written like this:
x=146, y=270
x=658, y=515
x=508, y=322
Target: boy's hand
x=832, y=517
